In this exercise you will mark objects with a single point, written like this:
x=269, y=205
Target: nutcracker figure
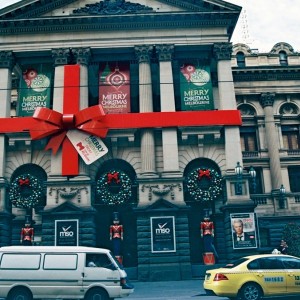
x=116, y=236
x=207, y=233
x=27, y=235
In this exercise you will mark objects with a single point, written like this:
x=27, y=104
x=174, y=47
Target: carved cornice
x=7, y=60
x=165, y=52
x=120, y=22
x=112, y=7
x=222, y=51
x=261, y=74
x=143, y=53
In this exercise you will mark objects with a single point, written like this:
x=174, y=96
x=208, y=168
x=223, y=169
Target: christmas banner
x=195, y=87
x=35, y=90
x=114, y=88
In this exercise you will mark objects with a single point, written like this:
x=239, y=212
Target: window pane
x=21, y=261
x=60, y=261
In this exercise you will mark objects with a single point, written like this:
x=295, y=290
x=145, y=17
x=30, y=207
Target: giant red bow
x=25, y=181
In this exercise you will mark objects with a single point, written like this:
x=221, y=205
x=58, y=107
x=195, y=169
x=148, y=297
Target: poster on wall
x=243, y=230
x=163, y=234
x=195, y=87
x=66, y=232
x=114, y=88
x=35, y=89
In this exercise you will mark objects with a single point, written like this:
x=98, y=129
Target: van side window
x=20, y=261
x=98, y=260
x=60, y=262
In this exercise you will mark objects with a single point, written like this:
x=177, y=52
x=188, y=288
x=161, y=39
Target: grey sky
x=268, y=22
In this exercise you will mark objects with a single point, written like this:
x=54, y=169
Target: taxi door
x=292, y=267
x=271, y=276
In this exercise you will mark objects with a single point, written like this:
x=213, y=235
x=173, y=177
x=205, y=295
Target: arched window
x=283, y=58
x=240, y=59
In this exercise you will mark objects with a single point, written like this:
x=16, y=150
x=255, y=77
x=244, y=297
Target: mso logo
x=66, y=232
x=162, y=229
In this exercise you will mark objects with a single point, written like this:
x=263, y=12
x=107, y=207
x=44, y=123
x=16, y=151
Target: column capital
x=222, y=51
x=165, y=52
x=143, y=53
x=267, y=99
x=82, y=55
x=7, y=60
x=61, y=56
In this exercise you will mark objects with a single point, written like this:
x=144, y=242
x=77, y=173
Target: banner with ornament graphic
x=195, y=87
x=114, y=88
x=35, y=89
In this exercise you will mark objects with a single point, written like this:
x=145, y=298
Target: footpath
x=171, y=290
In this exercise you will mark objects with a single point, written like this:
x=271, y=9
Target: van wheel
x=96, y=294
x=20, y=294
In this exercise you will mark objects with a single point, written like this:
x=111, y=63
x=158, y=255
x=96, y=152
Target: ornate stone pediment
x=112, y=7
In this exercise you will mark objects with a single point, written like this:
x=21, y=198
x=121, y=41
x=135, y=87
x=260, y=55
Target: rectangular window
x=294, y=178
x=248, y=141
x=60, y=262
x=290, y=137
x=20, y=261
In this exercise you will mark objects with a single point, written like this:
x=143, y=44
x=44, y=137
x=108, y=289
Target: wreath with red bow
x=204, y=184
x=114, y=187
x=26, y=191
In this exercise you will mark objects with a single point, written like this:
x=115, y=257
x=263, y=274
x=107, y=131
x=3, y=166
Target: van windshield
x=116, y=261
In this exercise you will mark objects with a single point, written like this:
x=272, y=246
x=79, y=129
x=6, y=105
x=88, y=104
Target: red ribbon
x=204, y=173
x=25, y=181
x=111, y=177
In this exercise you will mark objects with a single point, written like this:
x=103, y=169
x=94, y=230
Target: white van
x=61, y=272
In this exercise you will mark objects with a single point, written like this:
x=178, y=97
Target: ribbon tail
x=43, y=130
x=55, y=142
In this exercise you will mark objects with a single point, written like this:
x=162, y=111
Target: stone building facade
x=173, y=145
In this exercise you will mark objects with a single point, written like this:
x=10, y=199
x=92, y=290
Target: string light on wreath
x=26, y=191
x=114, y=187
x=204, y=184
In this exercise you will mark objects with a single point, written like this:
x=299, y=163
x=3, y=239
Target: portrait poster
x=196, y=90
x=114, y=88
x=34, y=89
x=243, y=230
x=163, y=234
x=66, y=232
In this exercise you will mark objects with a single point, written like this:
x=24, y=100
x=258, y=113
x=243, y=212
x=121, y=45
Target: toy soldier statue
x=27, y=234
x=207, y=233
x=116, y=236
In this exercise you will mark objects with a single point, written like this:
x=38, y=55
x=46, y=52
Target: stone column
x=167, y=102
x=6, y=65
x=267, y=101
x=233, y=150
x=61, y=57
x=83, y=56
x=146, y=105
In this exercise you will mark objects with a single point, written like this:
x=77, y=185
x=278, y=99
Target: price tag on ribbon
x=88, y=146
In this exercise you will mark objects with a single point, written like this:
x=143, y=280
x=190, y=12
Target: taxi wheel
x=250, y=291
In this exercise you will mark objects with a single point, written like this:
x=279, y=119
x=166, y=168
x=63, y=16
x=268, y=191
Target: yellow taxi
x=254, y=277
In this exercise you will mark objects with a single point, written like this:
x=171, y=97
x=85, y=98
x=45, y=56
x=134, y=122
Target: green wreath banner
x=26, y=191
x=204, y=184
x=114, y=187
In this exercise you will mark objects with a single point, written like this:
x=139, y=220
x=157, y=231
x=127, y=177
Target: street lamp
x=252, y=173
x=239, y=173
x=282, y=196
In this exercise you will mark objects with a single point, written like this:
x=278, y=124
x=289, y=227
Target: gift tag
x=89, y=147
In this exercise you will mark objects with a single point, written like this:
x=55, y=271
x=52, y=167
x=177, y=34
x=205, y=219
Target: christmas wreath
x=26, y=191
x=114, y=187
x=204, y=184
